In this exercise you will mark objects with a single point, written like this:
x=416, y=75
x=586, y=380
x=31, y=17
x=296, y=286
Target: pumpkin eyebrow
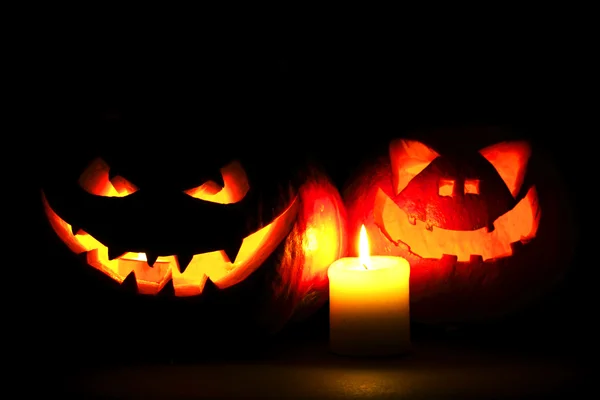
x=510, y=159
x=408, y=158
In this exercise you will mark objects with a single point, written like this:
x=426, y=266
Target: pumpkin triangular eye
x=408, y=158
x=97, y=179
x=510, y=160
x=232, y=190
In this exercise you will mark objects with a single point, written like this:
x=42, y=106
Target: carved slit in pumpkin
x=254, y=251
x=517, y=225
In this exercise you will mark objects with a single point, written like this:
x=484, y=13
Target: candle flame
x=363, y=248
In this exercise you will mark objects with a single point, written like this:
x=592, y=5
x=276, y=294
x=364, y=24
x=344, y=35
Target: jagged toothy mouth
x=517, y=225
x=188, y=273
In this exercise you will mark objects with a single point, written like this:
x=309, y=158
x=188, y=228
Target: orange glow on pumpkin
x=95, y=180
x=319, y=232
x=235, y=186
x=312, y=227
x=472, y=186
x=446, y=187
x=408, y=158
x=150, y=280
x=509, y=159
x=320, y=228
x=214, y=265
x=520, y=224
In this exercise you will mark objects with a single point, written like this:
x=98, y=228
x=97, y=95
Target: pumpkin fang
x=183, y=260
x=151, y=258
x=232, y=250
x=166, y=270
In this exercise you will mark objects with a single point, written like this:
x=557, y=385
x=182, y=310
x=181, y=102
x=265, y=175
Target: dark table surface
x=306, y=369
x=553, y=355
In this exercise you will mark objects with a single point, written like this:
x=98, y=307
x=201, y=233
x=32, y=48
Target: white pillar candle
x=369, y=304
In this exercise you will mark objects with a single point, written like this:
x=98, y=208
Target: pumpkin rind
x=290, y=281
x=448, y=285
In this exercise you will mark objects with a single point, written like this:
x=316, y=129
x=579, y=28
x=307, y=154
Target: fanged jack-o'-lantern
x=154, y=239
x=468, y=223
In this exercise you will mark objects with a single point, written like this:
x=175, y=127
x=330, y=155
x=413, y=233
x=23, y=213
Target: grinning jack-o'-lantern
x=151, y=270
x=256, y=236
x=469, y=222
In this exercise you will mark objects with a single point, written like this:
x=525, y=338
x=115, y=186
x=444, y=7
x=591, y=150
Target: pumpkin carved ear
x=510, y=160
x=408, y=158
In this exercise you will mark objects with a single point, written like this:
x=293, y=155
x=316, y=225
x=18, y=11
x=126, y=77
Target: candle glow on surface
x=369, y=303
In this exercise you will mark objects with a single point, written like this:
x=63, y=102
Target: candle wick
x=365, y=265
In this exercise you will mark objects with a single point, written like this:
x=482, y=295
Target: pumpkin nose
x=465, y=187
x=458, y=190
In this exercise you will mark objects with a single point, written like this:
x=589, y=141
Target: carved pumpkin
x=252, y=238
x=469, y=221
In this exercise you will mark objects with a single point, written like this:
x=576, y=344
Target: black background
x=335, y=101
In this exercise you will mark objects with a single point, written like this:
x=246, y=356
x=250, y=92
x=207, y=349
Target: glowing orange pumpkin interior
x=520, y=224
x=215, y=265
